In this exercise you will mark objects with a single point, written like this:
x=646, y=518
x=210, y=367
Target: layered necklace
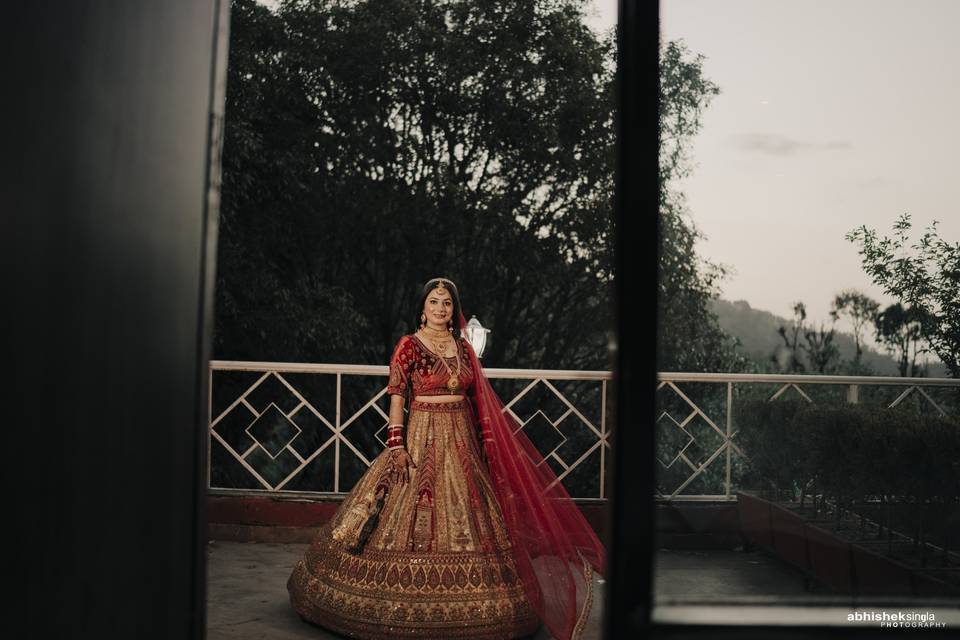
x=453, y=381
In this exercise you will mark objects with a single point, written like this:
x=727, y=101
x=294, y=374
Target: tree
x=819, y=347
x=690, y=338
x=900, y=330
x=788, y=357
x=924, y=276
x=861, y=311
x=371, y=145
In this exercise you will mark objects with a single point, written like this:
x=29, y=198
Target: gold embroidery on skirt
x=347, y=532
x=422, y=524
x=433, y=567
x=423, y=520
x=360, y=521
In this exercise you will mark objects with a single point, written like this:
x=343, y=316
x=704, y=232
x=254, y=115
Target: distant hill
x=757, y=331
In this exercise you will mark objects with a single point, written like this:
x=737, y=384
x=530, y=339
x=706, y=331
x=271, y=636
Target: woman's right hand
x=400, y=463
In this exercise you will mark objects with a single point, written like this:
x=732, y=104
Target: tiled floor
x=247, y=595
x=718, y=576
x=734, y=587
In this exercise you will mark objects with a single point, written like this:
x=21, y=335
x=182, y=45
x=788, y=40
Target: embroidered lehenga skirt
x=438, y=563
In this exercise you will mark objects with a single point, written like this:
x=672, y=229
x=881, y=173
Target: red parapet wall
x=268, y=511
x=274, y=519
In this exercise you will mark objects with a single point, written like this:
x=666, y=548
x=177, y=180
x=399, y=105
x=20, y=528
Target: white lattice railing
x=715, y=416
x=271, y=436
x=258, y=432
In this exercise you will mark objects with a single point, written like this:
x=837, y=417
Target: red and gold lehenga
x=481, y=542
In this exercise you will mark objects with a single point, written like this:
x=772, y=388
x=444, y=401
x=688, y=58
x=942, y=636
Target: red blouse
x=414, y=364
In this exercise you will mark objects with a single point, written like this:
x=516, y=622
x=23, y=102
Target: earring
x=423, y=320
x=450, y=326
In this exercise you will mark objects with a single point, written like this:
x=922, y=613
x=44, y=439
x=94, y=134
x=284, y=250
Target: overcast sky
x=833, y=114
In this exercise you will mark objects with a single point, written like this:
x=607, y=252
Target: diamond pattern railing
x=697, y=451
x=314, y=429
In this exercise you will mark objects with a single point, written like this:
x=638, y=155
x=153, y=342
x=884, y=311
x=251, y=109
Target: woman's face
x=438, y=308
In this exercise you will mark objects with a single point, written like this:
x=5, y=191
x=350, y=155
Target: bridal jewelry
x=439, y=347
x=453, y=382
x=432, y=335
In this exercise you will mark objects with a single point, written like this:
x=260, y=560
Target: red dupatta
x=554, y=548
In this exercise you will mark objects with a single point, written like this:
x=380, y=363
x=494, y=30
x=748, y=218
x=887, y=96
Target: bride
x=457, y=529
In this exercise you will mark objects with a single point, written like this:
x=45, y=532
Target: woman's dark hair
x=454, y=294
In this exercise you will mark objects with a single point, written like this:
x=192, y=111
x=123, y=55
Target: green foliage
x=861, y=310
x=817, y=351
x=853, y=454
x=371, y=145
x=788, y=356
x=900, y=330
x=923, y=452
x=766, y=431
x=684, y=94
x=821, y=351
x=924, y=275
x=833, y=448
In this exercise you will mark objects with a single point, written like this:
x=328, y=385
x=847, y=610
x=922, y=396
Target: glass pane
x=369, y=148
x=814, y=464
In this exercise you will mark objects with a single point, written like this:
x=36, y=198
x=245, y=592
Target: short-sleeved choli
x=413, y=366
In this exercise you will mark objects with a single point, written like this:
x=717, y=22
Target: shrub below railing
x=864, y=461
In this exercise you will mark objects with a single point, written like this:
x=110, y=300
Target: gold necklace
x=453, y=382
x=434, y=333
x=439, y=347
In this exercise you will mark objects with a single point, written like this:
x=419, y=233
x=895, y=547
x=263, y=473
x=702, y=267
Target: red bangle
x=395, y=436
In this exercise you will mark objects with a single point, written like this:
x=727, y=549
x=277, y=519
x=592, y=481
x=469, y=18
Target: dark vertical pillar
x=628, y=606
x=111, y=118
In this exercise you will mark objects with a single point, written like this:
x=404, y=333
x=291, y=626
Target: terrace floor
x=247, y=596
